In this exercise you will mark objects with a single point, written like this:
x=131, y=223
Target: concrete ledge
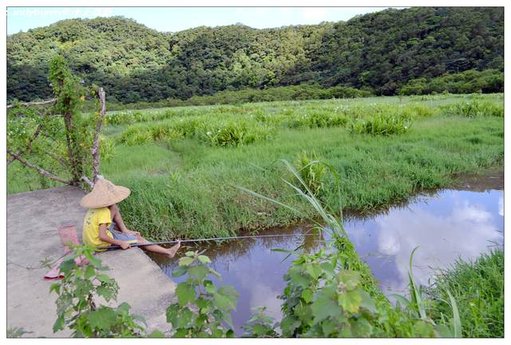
x=32, y=222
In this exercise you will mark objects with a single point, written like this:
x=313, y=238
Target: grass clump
x=475, y=108
x=381, y=124
x=478, y=288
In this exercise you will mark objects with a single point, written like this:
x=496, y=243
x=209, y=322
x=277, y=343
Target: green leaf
x=59, y=324
x=329, y=328
x=179, y=271
x=288, y=325
x=260, y=330
x=106, y=292
x=89, y=272
x=67, y=266
x=203, y=304
x=456, y=321
x=350, y=301
x=313, y=270
x=401, y=301
x=224, y=302
x=184, y=319
x=297, y=278
x=349, y=280
x=204, y=259
x=325, y=306
x=186, y=261
x=307, y=295
x=104, y=278
x=181, y=333
x=95, y=261
x=443, y=331
x=367, y=302
x=423, y=329
x=185, y=293
x=209, y=286
x=103, y=318
x=231, y=294
x=172, y=313
x=361, y=328
x=190, y=253
x=198, y=272
x=217, y=333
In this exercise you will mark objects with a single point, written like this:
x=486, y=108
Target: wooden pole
x=96, y=154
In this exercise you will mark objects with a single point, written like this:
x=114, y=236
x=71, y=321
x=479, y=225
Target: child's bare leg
x=170, y=252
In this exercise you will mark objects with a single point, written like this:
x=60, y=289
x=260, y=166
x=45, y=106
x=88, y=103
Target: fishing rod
x=114, y=247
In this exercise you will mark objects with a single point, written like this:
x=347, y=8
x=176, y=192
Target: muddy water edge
x=461, y=222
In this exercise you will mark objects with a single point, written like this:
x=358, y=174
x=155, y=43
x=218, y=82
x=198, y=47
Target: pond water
x=446, y=226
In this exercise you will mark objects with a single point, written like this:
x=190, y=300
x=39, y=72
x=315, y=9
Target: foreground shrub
x=202, y=309
x=76, y=306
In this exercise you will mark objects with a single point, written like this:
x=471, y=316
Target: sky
x=173, y=19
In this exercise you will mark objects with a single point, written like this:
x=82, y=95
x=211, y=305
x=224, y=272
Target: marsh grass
x=478, y=288
x=197, y=177
x=475, y=108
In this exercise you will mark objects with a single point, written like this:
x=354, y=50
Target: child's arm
x=105, y=238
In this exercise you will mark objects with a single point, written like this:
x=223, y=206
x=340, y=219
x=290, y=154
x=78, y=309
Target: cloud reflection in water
x=449, y=226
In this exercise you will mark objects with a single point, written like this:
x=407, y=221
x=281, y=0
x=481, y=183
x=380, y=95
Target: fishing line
x=114, y=247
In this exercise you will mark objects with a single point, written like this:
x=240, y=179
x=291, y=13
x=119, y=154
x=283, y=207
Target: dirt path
x=32, y=222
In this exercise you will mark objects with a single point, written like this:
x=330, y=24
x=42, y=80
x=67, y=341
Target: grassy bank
x=183, y=164
x=478, y=288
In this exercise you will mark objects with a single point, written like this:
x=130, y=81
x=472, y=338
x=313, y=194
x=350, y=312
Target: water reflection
x=253, y=267
x=446, y=226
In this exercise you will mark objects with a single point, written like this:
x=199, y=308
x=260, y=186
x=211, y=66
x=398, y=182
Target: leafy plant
x=382, y=124
x=322, y=299
x=475, y=108
x=332, y=293
x=311, y=171
x=202, y=309
x=260, y=325
x=135, y=136
x=76, y=306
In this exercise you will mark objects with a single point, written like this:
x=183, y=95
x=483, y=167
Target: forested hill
x=379, y=51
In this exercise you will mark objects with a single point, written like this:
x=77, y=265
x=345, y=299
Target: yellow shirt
x=93, y=218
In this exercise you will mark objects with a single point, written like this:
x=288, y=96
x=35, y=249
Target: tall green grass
x=183, y=184
x=478, y=288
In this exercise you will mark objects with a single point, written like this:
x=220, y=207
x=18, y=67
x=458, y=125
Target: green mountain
x=380, y=52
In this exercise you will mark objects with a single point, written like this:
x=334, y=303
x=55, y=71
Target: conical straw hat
x=104, y=194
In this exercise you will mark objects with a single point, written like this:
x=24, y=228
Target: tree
x=39, y=136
